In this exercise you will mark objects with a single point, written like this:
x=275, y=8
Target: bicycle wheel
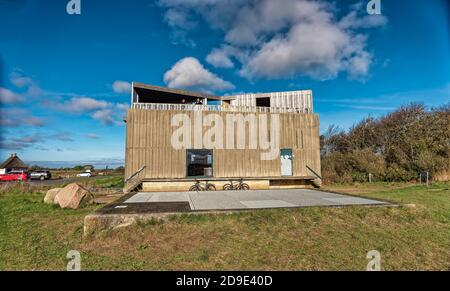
x=227, y=187
x=194, y=188
x=210, y=187
x=244, y=187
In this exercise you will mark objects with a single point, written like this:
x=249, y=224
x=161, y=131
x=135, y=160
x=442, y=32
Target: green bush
x=396, y=147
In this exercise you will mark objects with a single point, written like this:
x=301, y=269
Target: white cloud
x=9, y=97
x=107, y=113
x=188, y=73
x=280, y=39
x=15, y=117
x=179, y=18
x=121, y=87
x=181, y=21
x=123, y=107
x=320, y=57
x=353, y=20
x=220, y=58
x=80, y=105
x=112, y=115
x=34, y=121
x=106, y=116
x=20, y=80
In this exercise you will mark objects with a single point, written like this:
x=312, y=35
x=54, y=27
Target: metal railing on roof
x=219, y=108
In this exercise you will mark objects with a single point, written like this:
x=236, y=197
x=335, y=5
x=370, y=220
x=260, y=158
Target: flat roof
x=145, y=89
x=149, y=88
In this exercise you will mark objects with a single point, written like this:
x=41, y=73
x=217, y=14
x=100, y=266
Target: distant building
x=89, y=168
x=13, y=163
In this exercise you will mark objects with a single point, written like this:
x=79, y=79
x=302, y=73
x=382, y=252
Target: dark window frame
x=211, y=152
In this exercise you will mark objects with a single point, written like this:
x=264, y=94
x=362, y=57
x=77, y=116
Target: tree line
x=394, y=147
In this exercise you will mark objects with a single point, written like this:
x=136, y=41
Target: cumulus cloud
x=107, y=113
x=109, y=116
x=9, y=97
x=34, y=121
x=123, y=107
x=325, y=52
x=354, y=21
x=279, y=39
x=121, y=87
x=105, y=116
x=22, y=81
x=189, y=73
x=14, y=117
x=79, y=105
x=180, y=19
x=221, y=58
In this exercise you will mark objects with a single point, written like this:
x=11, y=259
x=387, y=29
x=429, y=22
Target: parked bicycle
x=239, y=185
x=198, y=186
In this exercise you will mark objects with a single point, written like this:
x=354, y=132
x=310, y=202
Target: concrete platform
x=237, y=200
x=147, y=206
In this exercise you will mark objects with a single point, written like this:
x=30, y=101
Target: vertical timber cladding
x=148, y=143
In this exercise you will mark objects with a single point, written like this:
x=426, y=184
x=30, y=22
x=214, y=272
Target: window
x=263, y=102
x=199, y=163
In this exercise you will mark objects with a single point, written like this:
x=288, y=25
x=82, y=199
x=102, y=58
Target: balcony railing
x=218, y=108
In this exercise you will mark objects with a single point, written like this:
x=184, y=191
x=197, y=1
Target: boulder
x=50, y=196
x=73, y=196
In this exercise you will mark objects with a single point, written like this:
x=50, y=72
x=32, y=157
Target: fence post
x=370, y=177
x=427, y=178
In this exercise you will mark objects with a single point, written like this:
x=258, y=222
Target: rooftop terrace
x=149, y=97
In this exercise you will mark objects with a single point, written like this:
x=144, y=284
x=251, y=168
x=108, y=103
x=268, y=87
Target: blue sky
x=64, y=78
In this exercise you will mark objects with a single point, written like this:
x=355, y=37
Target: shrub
x=395, y=147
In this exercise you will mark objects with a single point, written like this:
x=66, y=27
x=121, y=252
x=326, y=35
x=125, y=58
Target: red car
x=14, y=176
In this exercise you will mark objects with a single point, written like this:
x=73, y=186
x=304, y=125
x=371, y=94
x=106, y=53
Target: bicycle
x=240, y=185
x=197, y=187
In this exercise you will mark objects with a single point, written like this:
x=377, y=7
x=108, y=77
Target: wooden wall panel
x=148, y=142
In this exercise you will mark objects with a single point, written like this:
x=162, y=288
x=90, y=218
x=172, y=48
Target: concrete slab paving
x=267, y=204
x=169, y=197
x=254, y=199
x=251, y=195
x=308, y=202
x=214, y=202
x=139, y=198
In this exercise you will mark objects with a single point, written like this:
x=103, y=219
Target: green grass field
x=36, y=236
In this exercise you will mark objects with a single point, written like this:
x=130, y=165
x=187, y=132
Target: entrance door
x=286, y=162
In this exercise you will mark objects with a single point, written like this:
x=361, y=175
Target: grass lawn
x=36, y=236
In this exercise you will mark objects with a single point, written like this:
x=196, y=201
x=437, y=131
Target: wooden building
x=174, y=137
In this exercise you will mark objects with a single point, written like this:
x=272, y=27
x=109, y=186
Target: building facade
x=174, y=137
